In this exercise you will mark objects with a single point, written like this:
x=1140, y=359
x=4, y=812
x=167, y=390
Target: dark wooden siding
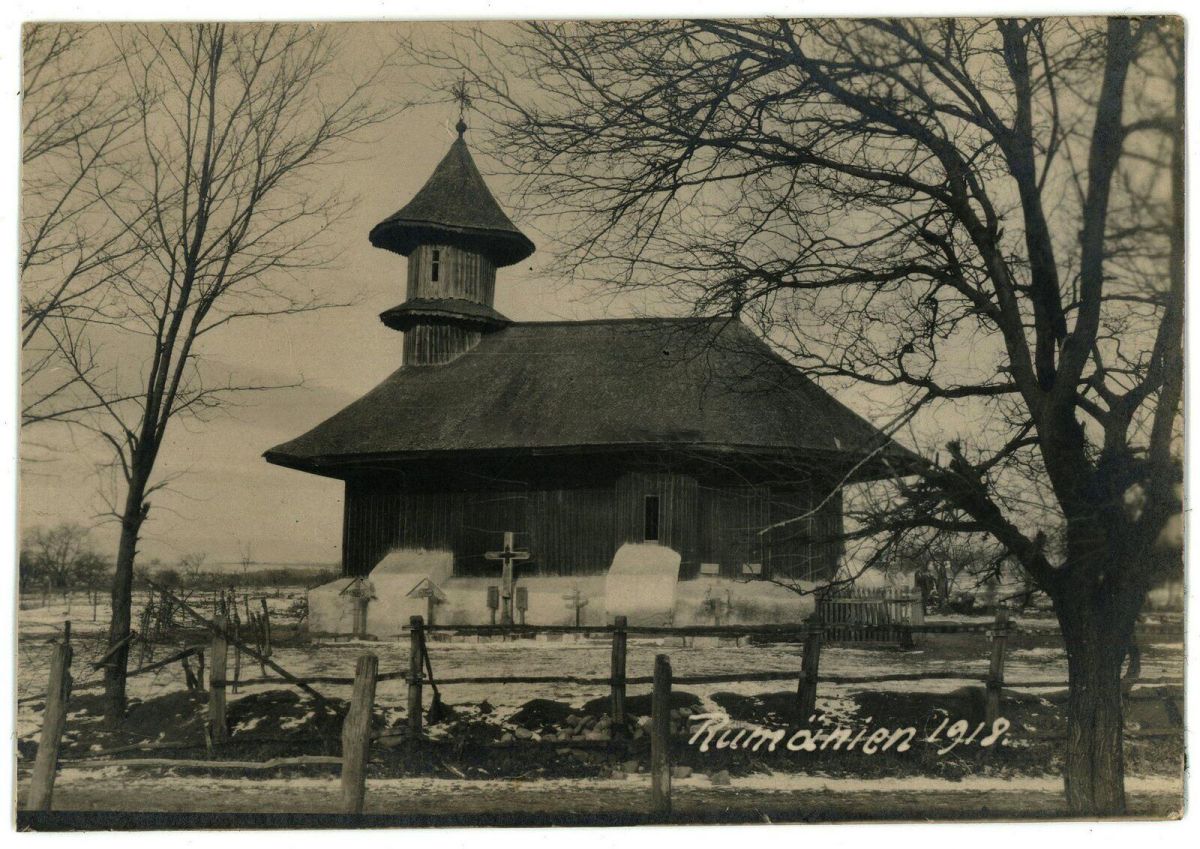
x=461, y=274
x=569, y=531
x=678, y=512
x=572, y=531
x=575, y=530
x=435, y=344
x=730, y=519
x=797, y=544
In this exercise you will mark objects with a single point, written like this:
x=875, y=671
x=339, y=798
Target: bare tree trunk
x=1096, y=634
x=115, y=673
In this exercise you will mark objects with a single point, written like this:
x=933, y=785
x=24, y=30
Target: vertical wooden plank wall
x=576, y=530
x=437, y=344
x=461, y=274
x=570, y=531
x=678, y=496
x=730, y=518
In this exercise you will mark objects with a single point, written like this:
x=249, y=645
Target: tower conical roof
x=454, y=206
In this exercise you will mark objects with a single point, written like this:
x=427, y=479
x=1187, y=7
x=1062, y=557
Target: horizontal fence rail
x=786, y=629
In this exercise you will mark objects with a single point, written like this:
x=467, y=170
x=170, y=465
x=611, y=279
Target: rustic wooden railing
x=871, y=614
x=357, y=736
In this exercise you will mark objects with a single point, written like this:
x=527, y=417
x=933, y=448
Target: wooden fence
x=871, y=614
x=357, y=737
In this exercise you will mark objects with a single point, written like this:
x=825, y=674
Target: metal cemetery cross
x=507, y=556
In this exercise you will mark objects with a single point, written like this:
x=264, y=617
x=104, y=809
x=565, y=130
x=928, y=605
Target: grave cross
x=576, y=602
x=507, y=556
x=433, y=596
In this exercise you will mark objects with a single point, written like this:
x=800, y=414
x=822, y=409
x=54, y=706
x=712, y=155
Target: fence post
x=266, y=627
x=54, y=720
x=620, y=638
x=995, y=679
x=416, y=644
x=237, y=664
x=810, y=664
x=356, y=735
x=216, y=684
x=189, y=677
x=660, y=738
x=917, y=610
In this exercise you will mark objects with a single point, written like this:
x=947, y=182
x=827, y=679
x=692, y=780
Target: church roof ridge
x=647, y=319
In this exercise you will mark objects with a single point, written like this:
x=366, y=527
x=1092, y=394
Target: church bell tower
x=455, y=236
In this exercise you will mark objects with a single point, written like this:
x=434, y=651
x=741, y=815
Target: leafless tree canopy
x=974, y=212
x=217, y=203
x=982, y=220
x=76, y=132
x=60, y=557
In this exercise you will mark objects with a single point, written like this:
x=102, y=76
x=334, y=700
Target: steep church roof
x=454, y=206
x=575, y=386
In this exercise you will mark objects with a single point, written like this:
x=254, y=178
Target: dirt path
x=310, y=800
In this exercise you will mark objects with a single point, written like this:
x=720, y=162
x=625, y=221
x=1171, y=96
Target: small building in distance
x=667, y=469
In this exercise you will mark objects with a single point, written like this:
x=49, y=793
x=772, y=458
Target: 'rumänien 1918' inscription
x=716, y=730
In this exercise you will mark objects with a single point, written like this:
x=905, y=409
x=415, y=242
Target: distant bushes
x=61, y=559
x=251, y=579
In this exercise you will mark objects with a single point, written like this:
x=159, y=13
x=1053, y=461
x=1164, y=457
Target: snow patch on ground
x=249, y=725
x=293, y=722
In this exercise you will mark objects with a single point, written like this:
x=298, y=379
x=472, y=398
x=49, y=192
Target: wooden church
x=577, y=437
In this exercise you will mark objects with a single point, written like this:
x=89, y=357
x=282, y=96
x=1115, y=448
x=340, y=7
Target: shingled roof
x=694, y=383
x=454, y=206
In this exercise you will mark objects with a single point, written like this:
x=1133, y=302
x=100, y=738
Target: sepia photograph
x=591, y=422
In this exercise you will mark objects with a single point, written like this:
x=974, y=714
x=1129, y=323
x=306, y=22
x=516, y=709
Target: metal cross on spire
x=463, y=98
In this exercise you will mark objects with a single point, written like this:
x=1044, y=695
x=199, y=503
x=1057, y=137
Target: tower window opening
x=434, y=266
x=650, y=528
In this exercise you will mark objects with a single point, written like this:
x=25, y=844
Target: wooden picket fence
x=870, y=614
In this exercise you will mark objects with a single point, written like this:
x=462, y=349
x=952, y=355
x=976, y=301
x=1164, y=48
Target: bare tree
x=981, y=219
x=224, y=203
x=246, y=557
x=61, y=557
x=76, y=130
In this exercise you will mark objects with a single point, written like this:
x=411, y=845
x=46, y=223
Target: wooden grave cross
x=507, y=557
x=432, y=594
x=576, y=603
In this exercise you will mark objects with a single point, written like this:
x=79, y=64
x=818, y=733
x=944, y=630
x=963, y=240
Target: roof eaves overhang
x=898, y=462
x=403, y=235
